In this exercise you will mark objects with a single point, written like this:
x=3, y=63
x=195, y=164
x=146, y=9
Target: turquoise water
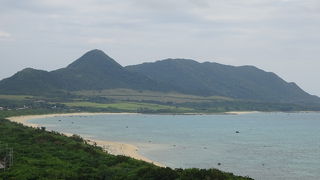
x=268, y=145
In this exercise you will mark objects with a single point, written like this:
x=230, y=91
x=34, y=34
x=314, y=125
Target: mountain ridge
x=95, y=70
x=240, y=82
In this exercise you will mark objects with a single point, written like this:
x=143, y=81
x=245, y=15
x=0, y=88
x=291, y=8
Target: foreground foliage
x=39, y=154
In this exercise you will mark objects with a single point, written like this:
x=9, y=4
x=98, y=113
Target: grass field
x=133, y=95
x=125, y=100
x=128, y=106
x=14, y=97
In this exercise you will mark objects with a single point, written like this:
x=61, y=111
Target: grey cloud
x=49, y=34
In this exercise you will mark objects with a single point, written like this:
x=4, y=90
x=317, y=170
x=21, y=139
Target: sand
x=115, y=148
x=241, y=112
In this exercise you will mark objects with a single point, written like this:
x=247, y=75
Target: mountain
x=29, y=81
x=97, y=71
x=92, y=71
x=213, y=79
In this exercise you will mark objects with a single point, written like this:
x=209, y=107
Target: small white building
x=1, y=165
x=1, y=108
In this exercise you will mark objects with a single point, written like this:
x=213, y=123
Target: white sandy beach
x=115, y=148
x=241, y=112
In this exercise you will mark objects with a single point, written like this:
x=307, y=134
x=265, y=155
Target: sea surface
x=260, y=145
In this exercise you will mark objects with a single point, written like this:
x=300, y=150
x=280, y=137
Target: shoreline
x=111, y=147
x=241, y=112
x=114, y=147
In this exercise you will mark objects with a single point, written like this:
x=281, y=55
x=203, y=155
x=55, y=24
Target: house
x=1, y=165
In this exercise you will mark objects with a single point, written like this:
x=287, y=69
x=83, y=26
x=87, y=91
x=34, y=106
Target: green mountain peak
x=94, y=58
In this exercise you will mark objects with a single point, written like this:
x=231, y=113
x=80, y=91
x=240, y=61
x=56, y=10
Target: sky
x=281, y=36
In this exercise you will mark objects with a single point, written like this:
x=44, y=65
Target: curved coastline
x=114, y=148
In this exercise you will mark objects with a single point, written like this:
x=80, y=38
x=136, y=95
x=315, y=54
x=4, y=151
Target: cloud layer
x=275, y=35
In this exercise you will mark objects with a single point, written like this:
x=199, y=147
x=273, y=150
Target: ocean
x=259, y=145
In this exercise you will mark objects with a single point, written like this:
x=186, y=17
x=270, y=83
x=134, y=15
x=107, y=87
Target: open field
x=14, y=97
x=126, y=100
x=128, y=106
x=134, y=95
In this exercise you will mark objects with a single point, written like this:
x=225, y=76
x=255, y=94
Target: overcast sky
x=282, y=36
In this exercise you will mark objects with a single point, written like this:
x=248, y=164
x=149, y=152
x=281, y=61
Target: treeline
x=39, y=154
x=236, y=105
x=57, y=103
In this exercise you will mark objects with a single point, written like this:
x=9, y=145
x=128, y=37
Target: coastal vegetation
x=130, y=106
x=126, y=100
x=39, y=154
x=135, y=102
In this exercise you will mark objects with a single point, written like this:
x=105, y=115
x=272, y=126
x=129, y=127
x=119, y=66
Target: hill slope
x=94, y=70
x=97, y=71
x=213, y=79
x=29, y=81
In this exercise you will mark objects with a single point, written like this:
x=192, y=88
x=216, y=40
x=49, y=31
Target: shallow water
x=268, y=145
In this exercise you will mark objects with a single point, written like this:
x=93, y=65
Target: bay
x=259, y=145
